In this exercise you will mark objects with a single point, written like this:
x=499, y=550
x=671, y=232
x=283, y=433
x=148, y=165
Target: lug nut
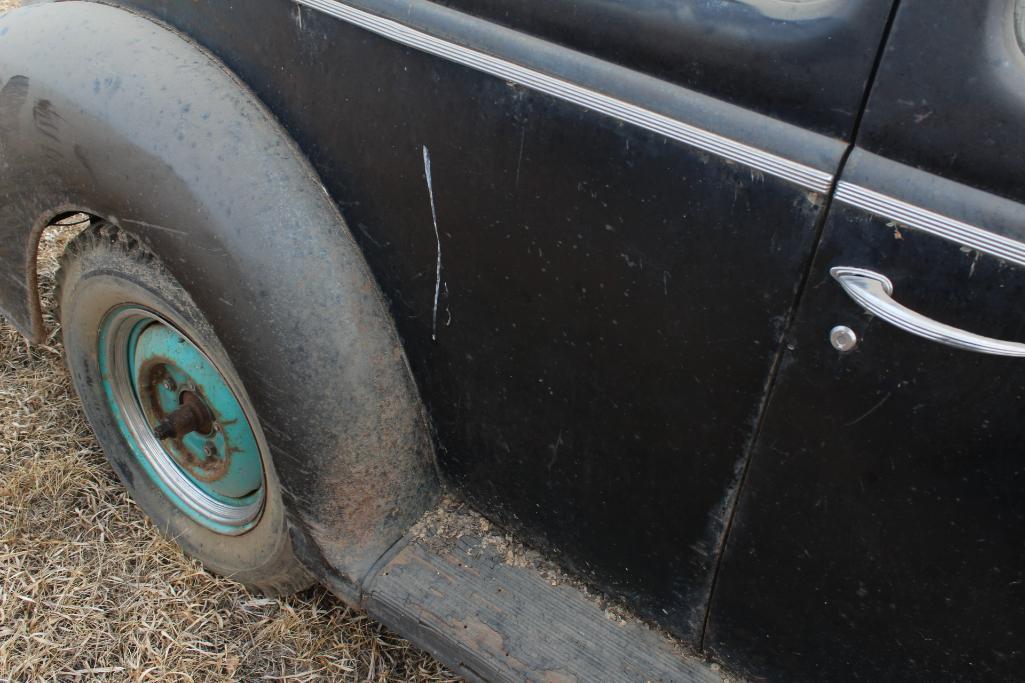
x=210, y=449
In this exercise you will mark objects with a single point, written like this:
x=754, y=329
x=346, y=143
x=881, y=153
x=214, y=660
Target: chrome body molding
x=766, y=162
x=928, y=221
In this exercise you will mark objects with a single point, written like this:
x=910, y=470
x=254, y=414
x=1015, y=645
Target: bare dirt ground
x=90, y=590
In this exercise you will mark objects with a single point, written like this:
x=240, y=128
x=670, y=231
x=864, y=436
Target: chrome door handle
x=874, y=293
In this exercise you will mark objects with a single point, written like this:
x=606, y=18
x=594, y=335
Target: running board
x=472, y=601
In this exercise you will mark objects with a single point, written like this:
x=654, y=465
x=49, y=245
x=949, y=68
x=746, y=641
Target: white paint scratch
x=519, y=160
x=870, y=410
x=447, y=309
x=554, y=448
x=437, y=237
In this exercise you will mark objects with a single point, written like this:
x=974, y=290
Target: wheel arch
x=156, y=136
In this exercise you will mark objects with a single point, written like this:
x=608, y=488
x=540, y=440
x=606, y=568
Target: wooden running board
x=490, y=619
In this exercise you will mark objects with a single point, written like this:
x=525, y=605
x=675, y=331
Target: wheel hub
x=191, y=416
x=183, y=420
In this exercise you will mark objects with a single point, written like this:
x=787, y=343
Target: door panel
x=881, y=530
x=613, y=288
x=881, y=533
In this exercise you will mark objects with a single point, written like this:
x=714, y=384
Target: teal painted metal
x=225, y=463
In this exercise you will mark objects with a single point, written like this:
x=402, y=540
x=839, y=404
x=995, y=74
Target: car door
x=591, y=219
x=881, y=532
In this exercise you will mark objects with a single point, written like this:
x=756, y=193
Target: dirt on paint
x=453, y=521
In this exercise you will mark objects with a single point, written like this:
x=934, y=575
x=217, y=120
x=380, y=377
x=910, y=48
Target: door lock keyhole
x=843, y=338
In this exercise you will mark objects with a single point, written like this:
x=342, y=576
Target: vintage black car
x=715, y=305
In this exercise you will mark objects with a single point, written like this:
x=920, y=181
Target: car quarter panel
x=592, y=308
x=595, y=351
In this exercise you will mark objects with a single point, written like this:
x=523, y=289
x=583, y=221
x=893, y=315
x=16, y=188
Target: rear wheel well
x=50, y=233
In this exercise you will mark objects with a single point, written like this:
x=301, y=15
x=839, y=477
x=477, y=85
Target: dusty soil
x=90, y=590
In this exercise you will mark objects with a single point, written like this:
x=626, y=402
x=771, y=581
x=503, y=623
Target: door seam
x=781, y=348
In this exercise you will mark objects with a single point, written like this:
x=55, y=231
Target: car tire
x=138, y=350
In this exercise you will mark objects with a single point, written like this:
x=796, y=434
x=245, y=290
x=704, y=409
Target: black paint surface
x=950, y=95
x=804, y=64
x=881, y=532
x=610, y=305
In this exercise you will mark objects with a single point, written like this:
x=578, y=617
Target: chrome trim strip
x=805, y=176
x=933, y=223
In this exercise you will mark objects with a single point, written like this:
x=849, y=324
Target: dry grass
x=90, y=590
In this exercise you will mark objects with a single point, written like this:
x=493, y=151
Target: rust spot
x=207, y=470
x=192, y=415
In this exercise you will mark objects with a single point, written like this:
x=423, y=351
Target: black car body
x=615, y=239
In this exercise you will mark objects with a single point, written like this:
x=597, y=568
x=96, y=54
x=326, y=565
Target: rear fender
x=106, y=112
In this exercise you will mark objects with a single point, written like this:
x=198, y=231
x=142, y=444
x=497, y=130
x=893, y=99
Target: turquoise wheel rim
x=150, y=368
